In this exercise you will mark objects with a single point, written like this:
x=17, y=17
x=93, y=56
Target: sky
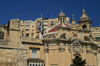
x=32, y=9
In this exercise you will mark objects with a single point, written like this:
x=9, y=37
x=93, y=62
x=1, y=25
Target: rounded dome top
x=61, y=15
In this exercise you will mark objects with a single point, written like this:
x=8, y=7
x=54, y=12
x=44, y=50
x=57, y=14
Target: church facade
x=59, y=45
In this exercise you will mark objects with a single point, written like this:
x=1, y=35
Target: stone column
x=95, y=58
x=98, y=57
x=46, y=51
x=61, y=51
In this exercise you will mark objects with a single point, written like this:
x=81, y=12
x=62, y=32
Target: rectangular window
x=52, y=22
x=34, y=53
x=98, y=38
x=27, y=35
x=32, y=34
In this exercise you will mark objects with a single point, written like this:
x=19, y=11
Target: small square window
x=27, y=35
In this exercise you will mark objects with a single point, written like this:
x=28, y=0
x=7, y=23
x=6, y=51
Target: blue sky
x=32, y=9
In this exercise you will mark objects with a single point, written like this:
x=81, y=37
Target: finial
x=72, y=16
x=61, y=10
x=84, y=10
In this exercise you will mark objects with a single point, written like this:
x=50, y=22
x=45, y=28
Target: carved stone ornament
x=46, y=50
x=61, y=47
x=74, y=35
x=76, y=46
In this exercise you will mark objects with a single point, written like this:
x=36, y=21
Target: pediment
x=74, y=26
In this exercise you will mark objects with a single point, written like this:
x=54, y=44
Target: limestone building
x=62, y=41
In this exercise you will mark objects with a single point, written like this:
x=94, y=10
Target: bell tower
x=85, y=23
x=62, y=18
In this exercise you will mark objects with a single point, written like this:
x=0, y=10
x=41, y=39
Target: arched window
x=61, y=20
x=84, y=27
x=89, y=27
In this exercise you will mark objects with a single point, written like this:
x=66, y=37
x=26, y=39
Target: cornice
x=85, y=21
x=69, y=29
x=35, y=43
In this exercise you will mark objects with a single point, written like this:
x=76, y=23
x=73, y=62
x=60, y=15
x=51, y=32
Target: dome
x=61, y=15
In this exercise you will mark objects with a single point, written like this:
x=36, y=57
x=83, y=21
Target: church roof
x=56, y=29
